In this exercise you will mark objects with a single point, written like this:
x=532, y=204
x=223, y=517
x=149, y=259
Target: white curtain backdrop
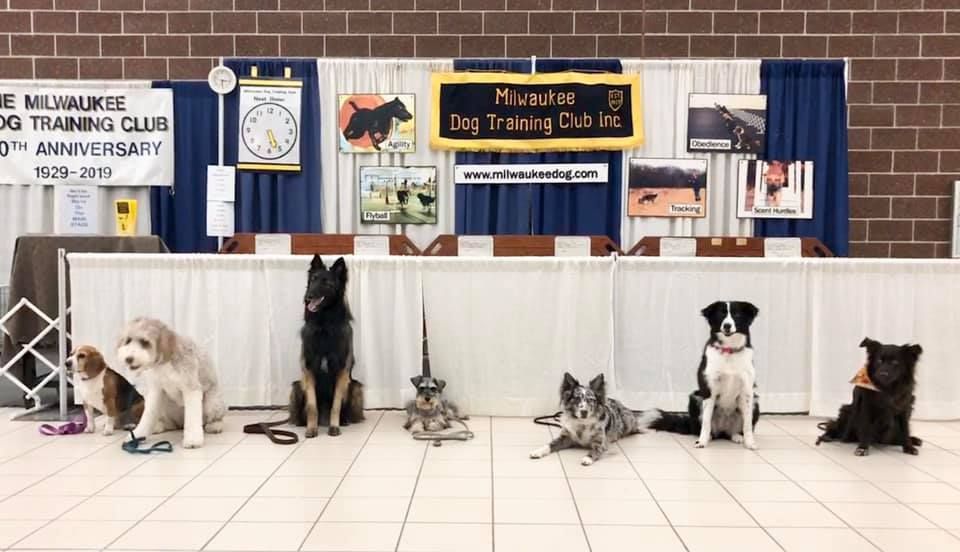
x=666, y=86
x=341, y=172
x=246, y=311
x=502, y=331
x=660, y=332
x=892, y=301
x=28, y=209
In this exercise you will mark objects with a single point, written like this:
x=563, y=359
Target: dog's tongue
x=314, y=304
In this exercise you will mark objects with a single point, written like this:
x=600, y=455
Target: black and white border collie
x=726, y=381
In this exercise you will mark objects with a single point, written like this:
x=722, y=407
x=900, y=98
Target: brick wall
x=904, y=90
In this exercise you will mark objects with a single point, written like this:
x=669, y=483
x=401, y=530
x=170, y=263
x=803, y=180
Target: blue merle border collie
x=591, y=420
x=725, y=404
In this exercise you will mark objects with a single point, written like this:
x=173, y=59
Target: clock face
x=222, y=80
x=269, y=131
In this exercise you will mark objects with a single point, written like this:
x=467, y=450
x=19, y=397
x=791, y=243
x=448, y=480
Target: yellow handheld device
x=126, y=212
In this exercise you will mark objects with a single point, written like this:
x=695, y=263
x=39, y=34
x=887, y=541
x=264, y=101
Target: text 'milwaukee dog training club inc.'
x=538, y=112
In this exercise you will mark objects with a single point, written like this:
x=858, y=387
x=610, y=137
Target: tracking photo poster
x=667, y=188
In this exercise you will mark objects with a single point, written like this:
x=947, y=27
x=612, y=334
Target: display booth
x=522, y=251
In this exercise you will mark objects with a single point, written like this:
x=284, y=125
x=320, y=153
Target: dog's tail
x=645, y=419
x=672, y=422
x=355, y=401
x=298, y=404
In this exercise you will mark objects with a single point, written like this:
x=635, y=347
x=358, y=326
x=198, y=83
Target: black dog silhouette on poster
x=376, y=122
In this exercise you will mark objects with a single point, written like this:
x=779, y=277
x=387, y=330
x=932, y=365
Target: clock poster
x=269, y=125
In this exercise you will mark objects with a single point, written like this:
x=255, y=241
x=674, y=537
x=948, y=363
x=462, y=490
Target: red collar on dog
x=727, y=350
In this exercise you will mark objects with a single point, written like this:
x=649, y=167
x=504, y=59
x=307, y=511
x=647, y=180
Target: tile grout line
x=654, y=498
x=171, y=495
x=57, y=472
x=735, y=499
x=573, y=497
x=344, y=476
x=413, y=494
x=804, y=489
x=246, y=501
x=882, y=490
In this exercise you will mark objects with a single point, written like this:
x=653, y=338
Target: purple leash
x=73, y=427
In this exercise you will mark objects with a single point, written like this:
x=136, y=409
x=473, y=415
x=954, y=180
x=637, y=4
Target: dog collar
x=727, y=350
x=862, y=379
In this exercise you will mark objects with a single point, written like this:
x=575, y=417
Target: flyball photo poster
x=667, y=188
x=775, y=189
x=398, y=195
x=377, y=123
x=727, y=123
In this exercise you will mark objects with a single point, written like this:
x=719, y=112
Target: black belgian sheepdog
x=326, y=354
x=882, y=401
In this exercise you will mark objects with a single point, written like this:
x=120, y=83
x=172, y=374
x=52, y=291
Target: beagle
x=103, y=389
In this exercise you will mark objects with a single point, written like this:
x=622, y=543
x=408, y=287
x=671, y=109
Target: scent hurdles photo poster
x=775, y=189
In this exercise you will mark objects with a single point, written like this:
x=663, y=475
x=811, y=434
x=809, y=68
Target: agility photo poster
x=377, y=123
x=775, y=189
x=398, y=195
x=727, y=123
x=667, y=188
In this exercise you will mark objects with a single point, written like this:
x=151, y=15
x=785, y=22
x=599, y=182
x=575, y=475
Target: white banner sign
x=106, y=137
x=537, y=173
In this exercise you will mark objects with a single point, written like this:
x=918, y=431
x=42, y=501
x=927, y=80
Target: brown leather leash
x=278, y=436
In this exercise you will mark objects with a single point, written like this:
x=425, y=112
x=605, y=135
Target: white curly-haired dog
x=179, y=383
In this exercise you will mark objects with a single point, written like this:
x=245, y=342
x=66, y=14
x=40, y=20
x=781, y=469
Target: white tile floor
x=375, y=489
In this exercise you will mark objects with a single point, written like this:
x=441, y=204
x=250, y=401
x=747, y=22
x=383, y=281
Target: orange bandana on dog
x=862, y=379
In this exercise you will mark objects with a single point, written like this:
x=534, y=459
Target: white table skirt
x=503, y=330
x=247, y=312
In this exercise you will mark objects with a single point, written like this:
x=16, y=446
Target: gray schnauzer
x=430, y=409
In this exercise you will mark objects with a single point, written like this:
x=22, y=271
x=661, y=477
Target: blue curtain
x=571, y=209
x=279, y=202
x=180, y=218
x=807, y=120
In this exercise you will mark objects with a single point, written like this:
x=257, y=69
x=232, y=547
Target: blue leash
x=133, y=445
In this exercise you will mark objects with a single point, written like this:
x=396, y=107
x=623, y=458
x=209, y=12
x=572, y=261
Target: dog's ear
x=317, y=263
x=94, y=363
x=751, y=310
x=440, y=385
x=914, y=351
x=415, y=380
x=340, y=269
x=569, y=381
x=708, y=311
x=166, y=344
x=598, y=385
x=870, y=345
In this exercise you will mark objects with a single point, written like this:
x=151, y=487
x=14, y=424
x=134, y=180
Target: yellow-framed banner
x=517, y=112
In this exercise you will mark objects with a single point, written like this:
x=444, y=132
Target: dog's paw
x=192, y=441
x=90, y=428
x=750, y=443
x=540, y=452
x=916, y=441
x=108, y=431
x=701, y=443
x=214, y=427
x=586, y=461
x=736, y=438
x=333, y=431
x=311, y=432
x=910, y=449
x=861, y=451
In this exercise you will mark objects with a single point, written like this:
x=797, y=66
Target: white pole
x=220, y=146
x=62, y=330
